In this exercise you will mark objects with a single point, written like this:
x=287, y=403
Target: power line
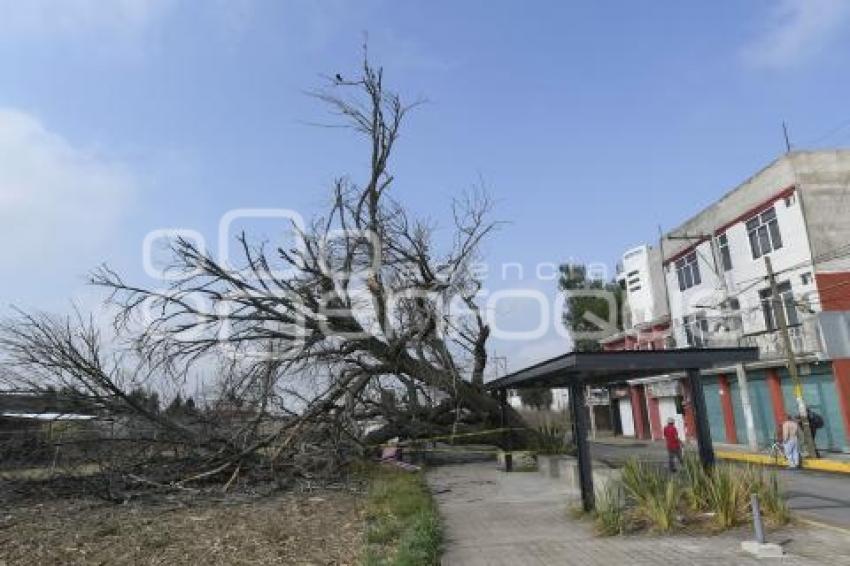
x=841, y=125
x=835, y=253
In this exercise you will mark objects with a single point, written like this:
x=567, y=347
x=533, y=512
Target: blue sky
x=591, y=123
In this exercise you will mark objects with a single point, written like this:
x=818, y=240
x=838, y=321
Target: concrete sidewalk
x=495, y=518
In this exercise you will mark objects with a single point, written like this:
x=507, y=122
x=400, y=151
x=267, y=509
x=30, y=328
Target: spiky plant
x=609, y=516
x=728, y=496
x=656, y=497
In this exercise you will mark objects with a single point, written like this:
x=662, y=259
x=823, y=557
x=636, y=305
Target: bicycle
x=775, y=451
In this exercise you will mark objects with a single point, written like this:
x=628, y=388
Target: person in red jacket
x=674, y=445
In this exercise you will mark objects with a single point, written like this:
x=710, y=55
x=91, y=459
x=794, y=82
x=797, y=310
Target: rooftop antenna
x=787, y=141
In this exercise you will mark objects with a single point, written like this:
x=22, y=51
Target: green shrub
x=609, y=516
x=655, y=496
x=728, y=495
x=726, y=491
x=655, y=499
x=420, y=543
x=772, y=499
x=696, y=483
x=403, y=526
x=640, y=479
x=662, y=508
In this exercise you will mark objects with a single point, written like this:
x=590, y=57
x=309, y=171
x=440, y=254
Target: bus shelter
x=578, y=370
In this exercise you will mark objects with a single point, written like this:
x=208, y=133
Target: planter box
x=558, y=466
x=562, y=468
x=522, y=460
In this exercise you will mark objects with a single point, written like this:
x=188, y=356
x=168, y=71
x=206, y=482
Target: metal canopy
x=579, y=369
x=610, y=367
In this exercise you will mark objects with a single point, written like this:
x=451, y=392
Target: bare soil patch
x=321, y=527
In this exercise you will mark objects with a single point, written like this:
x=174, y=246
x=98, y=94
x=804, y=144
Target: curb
x=819, y=464
x=820, y=524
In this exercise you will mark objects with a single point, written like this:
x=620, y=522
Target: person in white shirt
x=791, y=442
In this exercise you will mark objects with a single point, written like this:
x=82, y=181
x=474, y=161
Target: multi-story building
x=707, y=285
x=641, y=406
x=795, y=214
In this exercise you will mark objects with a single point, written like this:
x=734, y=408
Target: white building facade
x=795, y=213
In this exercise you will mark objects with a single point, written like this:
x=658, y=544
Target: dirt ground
x=320, y=527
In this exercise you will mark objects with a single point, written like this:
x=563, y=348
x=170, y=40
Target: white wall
x=667, y=410
x=816, y=224
x=644, y=284
x=560, y=399
x=748, y=275
x=627, y=419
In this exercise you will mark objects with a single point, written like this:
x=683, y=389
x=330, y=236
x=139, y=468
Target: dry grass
x=322, y=528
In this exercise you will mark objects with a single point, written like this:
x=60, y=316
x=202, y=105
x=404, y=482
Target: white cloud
x=74, y=17
x=796, y=30
x=59, y=204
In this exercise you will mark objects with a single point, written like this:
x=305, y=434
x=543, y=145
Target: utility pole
x=791, y=360
x=787, y=139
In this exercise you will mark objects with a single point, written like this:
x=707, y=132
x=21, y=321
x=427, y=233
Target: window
x=806, y=278
x=725, y=256
x=763, y=231
x=696, y=330
x=768, y=306
x=687, y=270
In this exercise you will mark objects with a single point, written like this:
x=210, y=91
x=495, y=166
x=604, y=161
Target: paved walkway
x=494, y=518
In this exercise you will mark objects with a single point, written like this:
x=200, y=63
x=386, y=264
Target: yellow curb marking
x=820, y=464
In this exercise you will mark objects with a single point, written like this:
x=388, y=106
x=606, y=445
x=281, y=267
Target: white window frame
x=687, y=271
x=725, y=252
x=763, y=233
x=696, y=330
x=768, y=306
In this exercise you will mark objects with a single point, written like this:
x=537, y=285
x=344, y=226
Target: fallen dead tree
x=363, y=320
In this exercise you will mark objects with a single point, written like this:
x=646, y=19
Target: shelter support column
x=688, y=408
x=703, y=433
x=506, y=435
x=580, y=426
